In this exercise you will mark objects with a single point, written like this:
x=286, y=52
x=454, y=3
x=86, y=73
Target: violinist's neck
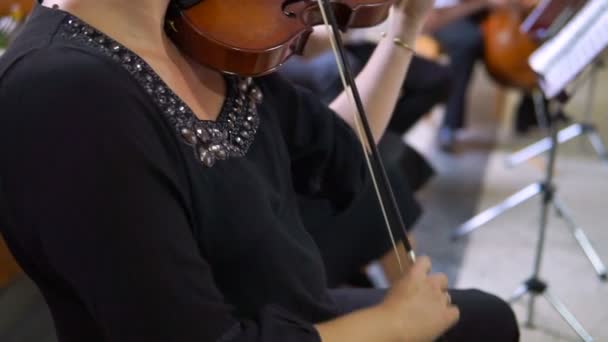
x=134, y=23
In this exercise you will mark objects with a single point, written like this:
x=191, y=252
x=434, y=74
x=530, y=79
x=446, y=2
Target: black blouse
x=141, y=223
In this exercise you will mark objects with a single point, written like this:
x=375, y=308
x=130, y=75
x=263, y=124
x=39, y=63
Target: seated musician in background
x=426, y=85
x=167, y=208
x=360, y=228
x=455, y=23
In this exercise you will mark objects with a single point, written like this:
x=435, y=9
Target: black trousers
x=463, y=42
x=483, y=317
x=427, y=83
x=351, y=239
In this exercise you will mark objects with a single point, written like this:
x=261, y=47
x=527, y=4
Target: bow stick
x=384, y=192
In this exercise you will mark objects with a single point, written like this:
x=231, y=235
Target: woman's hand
x=420, y=305
x=417, y=308
x=409, y=16
x=381, y=80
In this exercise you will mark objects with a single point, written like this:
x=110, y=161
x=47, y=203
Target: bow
x=384, y=192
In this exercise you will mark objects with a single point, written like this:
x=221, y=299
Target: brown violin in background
x=507, y=48
x=251, y=38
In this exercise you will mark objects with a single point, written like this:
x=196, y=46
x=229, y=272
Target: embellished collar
x=230, y=136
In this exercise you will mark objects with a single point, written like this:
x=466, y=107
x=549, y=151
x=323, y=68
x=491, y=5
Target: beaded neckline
x=229, y=136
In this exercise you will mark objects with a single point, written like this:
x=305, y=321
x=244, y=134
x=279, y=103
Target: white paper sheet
x=561, y=59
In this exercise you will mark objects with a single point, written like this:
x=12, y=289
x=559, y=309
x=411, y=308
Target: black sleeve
x=327, y=159
x=83, y=168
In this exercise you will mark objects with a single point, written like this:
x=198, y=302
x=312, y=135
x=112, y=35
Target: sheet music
x=549, y=16
x=563, y=57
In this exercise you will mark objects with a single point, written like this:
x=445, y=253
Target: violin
x=507, y=48
x=511, y=34
x=253, y=38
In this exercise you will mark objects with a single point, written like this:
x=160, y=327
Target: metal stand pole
x=534, y=286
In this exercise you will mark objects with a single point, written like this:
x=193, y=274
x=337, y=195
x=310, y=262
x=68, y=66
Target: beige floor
x=498, y=257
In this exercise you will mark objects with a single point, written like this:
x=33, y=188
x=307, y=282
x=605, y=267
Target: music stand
x=531, y=191
x=534, y=285
x=546, y=20
x=553, y=82
x=549, y=62
x=586, y=128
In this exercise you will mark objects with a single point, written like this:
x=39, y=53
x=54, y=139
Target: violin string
x=357, y=120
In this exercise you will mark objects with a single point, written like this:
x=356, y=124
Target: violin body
x=251, y=38
x=507, y=49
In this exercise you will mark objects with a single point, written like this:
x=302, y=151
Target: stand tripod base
x=563, y=212
x=536, y=287
x=582, y=239
x=563, y=136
